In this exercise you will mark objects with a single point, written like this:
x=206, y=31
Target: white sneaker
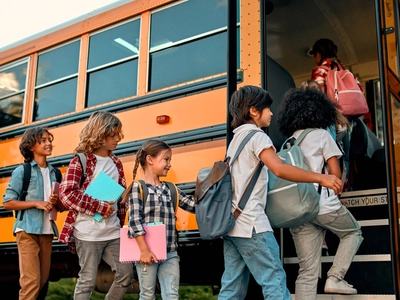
x=339, y=287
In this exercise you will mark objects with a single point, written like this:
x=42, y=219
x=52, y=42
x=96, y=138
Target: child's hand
x=110, y=210
x=147, y=258
x=54, y=198
x=43, y=205
x=332, y=182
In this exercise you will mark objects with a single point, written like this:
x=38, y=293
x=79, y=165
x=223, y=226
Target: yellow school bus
x=167, y=68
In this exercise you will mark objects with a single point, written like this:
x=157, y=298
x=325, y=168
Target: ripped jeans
x=168, y=277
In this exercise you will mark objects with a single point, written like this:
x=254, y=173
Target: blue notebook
x=104, y=188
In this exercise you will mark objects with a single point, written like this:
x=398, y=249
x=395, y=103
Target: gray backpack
x=291, y=204
x=213, y=196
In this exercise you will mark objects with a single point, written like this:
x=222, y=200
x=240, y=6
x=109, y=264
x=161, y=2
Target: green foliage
x=64, y=290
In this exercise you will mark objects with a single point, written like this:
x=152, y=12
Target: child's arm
x=334, y=167
x=146, y=256
x=21, y=205
x=289, y=172
x=186, y=202
x=73, y=197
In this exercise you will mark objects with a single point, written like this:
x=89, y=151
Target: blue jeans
x=258, y=255
x=308, y=240
x=168, y=276
x=90, y=254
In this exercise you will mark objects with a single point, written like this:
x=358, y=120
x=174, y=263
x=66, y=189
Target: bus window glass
x=190, y=39
x=55, y=99
x=195, y=17
x=114, y=44
x=112, y=83
x=187, y=62
x=113, y=64
x=56, y=81
x=12, y=87
x=58, y=63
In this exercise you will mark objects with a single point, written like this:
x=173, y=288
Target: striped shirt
x=159, y=208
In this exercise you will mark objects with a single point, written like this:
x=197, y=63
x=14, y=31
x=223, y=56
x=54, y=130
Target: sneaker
x=338, y=287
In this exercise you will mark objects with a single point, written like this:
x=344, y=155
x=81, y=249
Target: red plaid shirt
x=73, y=197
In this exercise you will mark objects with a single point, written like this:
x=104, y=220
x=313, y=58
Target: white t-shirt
x=47, y=229
x=318, y=146
x=87, y=228
x=253, y=215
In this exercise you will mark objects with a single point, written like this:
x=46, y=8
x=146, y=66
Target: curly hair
x=305, y=108
x=29, y=139
x=150, y=147
x=100, y=125
x=243, y=99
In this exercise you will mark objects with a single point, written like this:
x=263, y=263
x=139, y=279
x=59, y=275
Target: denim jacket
x=32, y=221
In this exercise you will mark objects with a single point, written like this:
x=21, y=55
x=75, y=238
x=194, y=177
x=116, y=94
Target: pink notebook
x=156, y=240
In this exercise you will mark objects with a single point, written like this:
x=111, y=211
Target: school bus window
x=113, y=63
x=12, y=93
x=56, y=81
x=193, y=45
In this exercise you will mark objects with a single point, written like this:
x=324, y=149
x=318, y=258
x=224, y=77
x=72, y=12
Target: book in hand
x=104, y=188
x=156, y=240
x=53, y=213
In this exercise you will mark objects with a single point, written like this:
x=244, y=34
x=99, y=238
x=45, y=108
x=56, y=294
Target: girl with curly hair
x=90, y=239
x=309, y=108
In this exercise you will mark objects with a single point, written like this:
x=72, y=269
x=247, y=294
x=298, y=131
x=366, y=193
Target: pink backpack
x=343, y=89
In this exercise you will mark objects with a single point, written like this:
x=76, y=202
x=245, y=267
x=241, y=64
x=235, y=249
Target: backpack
x=213, y=196
x=82, y=160
x=25, y=185
x=343, y=89
x=291, y=204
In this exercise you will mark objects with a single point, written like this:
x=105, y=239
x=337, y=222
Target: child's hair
x=100, y=125
x=150, y=147
x=29, y=139
x=326, y=48
x=243, y=99
x=340, y=119
x=305, y=108
x=312, y=84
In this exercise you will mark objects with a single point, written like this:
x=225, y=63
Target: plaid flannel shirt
x=158, y=208
x=76, y=201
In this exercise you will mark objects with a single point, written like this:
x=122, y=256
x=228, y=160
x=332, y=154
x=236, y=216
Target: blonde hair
x=150, y=147
x=100, y=125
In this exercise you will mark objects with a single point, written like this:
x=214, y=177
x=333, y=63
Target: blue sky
x=20, y=19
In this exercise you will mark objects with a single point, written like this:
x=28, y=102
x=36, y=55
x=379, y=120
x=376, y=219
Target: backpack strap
x=82, y=160
x=144, y=192
x=174, y=194
x=58, y=175
x=25, y=184
x=241, y=146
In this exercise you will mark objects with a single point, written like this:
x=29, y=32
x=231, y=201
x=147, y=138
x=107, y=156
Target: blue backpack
x=291, y=204
x=213, y=196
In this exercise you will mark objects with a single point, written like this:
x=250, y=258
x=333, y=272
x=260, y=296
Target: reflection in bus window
x=55, y=99
x=111, y=83
x=56, y=81
x=113, y=64
x=12, y=87
x=189, y=47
